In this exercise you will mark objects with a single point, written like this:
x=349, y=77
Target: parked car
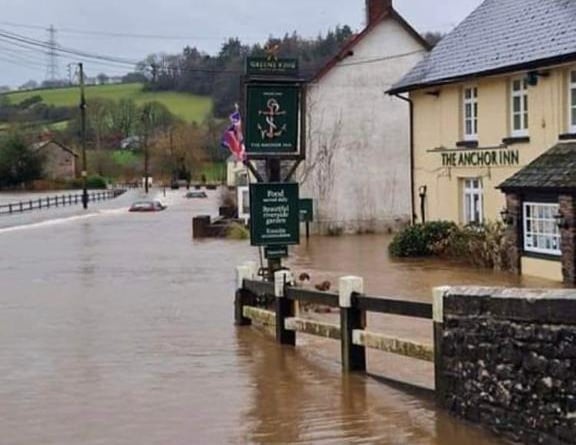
x=147, y=206
x=196, y=194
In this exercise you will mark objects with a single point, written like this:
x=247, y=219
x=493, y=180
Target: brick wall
x=509, y=362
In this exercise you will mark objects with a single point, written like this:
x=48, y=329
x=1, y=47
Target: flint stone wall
x=509, y=362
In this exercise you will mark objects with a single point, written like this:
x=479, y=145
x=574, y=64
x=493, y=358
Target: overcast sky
x=201, y=23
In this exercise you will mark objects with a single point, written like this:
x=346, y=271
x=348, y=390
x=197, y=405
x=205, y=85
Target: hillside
x=189, y=107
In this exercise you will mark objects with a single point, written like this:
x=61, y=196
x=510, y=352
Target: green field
x=186, y=106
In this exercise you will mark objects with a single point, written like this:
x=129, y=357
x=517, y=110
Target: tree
x=19, y=163
x=102, y=78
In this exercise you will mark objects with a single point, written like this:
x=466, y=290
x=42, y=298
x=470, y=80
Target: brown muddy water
x=117, y=329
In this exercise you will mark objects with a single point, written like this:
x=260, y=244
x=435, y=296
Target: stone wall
x=509, y=362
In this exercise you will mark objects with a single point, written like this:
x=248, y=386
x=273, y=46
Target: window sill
x=467, y=144
x=542, y=256
x=516, y=140
x=567, y=136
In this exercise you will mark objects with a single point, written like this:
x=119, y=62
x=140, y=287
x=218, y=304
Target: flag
x=233, y=139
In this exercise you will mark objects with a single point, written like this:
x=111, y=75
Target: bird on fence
x=324, y=286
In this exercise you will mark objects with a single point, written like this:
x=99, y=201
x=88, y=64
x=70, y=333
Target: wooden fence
x=351, y=331
x=57, y=201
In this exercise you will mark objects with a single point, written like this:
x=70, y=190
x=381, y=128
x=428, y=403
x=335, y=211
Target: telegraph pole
x=83, y=136
x=146, y=124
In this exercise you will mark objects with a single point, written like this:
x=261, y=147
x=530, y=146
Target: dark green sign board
x=270, y=66
x=273, y=119
x=275, y=252
x=306, y=210
x=274, y=214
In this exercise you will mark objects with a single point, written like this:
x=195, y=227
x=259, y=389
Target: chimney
x=375, y=9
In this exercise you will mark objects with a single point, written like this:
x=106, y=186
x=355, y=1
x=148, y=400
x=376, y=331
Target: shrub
x=480, y=245
x=421, y=240
x=96, y=182
x=237, y=231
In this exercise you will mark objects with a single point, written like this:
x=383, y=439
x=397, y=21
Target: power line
x=114, y=34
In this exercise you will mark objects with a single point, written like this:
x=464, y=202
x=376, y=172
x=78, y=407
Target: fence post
x=242, y=273
x=351, y=318
x=440, y=388
x=284, y=307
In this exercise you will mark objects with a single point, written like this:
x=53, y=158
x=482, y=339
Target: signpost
x=274, y=128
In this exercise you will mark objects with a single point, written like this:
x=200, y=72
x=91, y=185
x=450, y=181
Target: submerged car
x=147, y=206
x=194, y=195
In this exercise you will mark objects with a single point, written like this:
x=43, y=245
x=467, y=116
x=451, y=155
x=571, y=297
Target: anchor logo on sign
x=272, y=112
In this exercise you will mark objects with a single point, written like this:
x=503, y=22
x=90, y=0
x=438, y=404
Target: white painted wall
x=358, y=160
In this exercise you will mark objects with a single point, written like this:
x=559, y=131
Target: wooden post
x=440, y=387
x=351, y=318
x=242, y=273
x=284, y=308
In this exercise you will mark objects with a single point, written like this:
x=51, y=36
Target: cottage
x=358, y=162
x=495, y=129
x=59, y=160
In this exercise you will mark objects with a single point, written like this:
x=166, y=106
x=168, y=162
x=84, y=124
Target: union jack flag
x=233, y=138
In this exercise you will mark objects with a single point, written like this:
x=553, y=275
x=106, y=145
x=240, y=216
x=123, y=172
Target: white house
x=358, y=138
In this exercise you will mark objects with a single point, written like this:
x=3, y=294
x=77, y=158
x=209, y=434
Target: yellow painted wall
x=546, y=269
x=438, y=125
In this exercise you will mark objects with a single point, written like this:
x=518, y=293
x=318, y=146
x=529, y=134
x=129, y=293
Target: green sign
x=274, y=214
x=275, y=252
x=306, y=210
x=483, y=158
x=271, y=66
x=273, y=119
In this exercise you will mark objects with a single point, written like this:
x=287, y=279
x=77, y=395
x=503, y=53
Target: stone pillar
x=568, y=239
x=513, y=230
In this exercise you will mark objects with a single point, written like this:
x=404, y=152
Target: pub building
x=494, y=130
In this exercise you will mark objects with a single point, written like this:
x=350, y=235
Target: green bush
x=237, y=231
x=410, y=242
x=420, y=240
x=96, y=182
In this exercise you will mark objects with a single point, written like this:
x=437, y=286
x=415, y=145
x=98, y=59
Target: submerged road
x=117, y=329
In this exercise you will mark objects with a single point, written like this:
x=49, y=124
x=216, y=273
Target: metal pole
x=83, y=134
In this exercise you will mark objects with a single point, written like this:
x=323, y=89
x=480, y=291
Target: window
x=572, y=102
x=473, y=201
x=470, y=97
x=541, y=233
x=519, y=106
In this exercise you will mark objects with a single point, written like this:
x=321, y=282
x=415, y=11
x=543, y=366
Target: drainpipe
x=412, y=185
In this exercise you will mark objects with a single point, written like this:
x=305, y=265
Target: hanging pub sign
x=273, y=120
x=271, y=66
x=274, y=214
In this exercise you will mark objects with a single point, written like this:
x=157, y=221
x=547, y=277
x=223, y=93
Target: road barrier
x=57, y=201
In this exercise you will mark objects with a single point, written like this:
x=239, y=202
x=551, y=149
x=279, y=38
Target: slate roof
x=499, y=36
x=554, y=170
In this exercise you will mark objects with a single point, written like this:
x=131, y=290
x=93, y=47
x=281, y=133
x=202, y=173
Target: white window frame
x=541, y=227
x=470, y=103
x=472, y=188
x=572, y=100
x=523, y=112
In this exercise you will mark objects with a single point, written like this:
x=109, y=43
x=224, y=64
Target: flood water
x=117, y=329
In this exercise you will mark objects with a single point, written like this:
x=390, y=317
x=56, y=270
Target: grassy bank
x=186, y=106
